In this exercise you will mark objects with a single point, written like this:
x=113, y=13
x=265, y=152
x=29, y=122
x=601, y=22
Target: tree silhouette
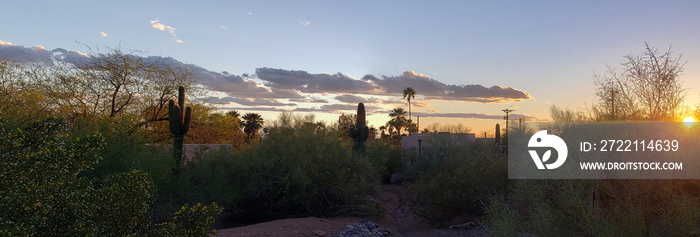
x=398, y=120
x=234, y=113
x=383, y=129
x=252, y=122
x=648, y=88
x=408, y=94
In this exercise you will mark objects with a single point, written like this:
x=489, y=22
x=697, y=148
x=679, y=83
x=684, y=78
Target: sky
x=467, y=60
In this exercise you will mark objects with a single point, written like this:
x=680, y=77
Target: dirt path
x=397, y=218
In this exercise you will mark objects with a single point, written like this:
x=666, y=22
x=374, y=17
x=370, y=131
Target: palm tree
x=409, y=94
x=251, y=124
x=382, y=128
x=234, y=113
x=398, y=120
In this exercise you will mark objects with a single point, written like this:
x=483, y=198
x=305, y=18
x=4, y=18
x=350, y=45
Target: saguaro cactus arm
x=186, y=121
x=174, y=117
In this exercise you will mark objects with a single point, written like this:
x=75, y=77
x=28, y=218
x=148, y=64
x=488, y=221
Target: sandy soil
x=397, y=218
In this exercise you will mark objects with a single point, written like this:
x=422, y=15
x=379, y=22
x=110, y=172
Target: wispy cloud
x=304, y=23
x=103, y=34
x=309, y=100
x=223, y=27
x=156, y=24
x=419, y=104
x=246, y=101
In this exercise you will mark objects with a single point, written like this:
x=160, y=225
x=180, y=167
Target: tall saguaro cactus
x=359, y=132
x=179, y=119
x=498, y=134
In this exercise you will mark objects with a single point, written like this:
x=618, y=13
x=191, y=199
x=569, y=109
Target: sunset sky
x=467, y=60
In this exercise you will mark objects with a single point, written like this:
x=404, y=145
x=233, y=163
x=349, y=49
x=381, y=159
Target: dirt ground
x=397, y=218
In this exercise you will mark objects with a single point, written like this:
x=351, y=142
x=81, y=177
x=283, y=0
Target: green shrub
x=189, y=221
x=43, y=192
x=385, y=156
x=461, y=182
x=501, y=219
x=682, y=217
x=301, y=171
x=217, y=178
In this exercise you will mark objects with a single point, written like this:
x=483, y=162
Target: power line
x=507, y=111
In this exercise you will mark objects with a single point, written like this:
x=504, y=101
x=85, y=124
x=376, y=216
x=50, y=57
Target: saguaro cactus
x=359, y=132
x=498, y=134
x=179, y=119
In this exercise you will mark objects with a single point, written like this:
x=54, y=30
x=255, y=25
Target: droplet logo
x=543, y=140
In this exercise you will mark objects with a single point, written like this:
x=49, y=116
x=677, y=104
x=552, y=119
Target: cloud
x=419, y=104
x=312, y=83
x=156, y=24
x=471, y=115
x=103, y=34
x=308, y=100
x=223, y=27
x=304, y=23
x=296, y=86
x=72, y=57
x=338, y=108
x=346, y=98
x=433, y=89
x=232, y=85
x=246, y=101
x=21, y=54
x=245, y=110
x=425, y=86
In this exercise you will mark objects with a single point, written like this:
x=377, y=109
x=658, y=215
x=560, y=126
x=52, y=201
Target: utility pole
x=507, y=111
x=612, y=101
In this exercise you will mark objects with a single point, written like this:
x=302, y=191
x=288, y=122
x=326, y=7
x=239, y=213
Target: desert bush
x=215, y=178
x=301, y=170
x=609, y=207
x=43, y=191
x=189, y=221
x=461, y=181
x=502, y=220
x=385, y=156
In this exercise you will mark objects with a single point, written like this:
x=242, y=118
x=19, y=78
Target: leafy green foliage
x=43, y=191
x=303, y=171
x=502, y=219
x=190, y=221
x=385, y=156
x=461, y=181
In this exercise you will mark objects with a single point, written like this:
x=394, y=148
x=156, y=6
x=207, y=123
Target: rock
x=468, y=225
x=364, y=229
x=319, y=233
x=396, y=178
